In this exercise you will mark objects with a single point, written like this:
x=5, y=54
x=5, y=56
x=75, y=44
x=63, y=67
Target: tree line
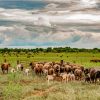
x=49, y=49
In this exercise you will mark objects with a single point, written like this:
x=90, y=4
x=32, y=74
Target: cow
x=19, y=67
x=50, y=71
x=38, y=69
x=27, y=71
x=68, y=68
x=94, y=74
x=50, y=78
x=78, y=74
x=71, y=77
x=32, y=65
x=87, y=78
x=97, y=75
x=57, y=69
x=64, y=77
x=87, y=75
x=5, y=67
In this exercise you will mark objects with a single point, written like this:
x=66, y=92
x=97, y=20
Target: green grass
x=36, y=88
x=17, y=86
x=79, y=58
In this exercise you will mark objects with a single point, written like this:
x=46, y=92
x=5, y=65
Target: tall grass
x=21, y=87
x=17, y=86
x=12, y=91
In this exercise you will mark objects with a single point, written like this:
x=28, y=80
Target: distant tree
x=49, y=49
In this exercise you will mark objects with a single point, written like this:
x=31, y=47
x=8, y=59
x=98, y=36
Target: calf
x=97, y=75
x=87, y=78
x=19, y=67
x=27, y=71
x=45, y=71
x=71, y=77
x=50, y=78
x=64, y=77
x=78, y=74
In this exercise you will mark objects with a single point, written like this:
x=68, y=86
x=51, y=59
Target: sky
x=49, y=23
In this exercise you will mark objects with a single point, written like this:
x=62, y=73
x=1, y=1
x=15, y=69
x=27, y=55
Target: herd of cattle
x=65, y=70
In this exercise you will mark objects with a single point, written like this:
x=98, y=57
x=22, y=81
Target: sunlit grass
x=21, y=87
x=17, y=86
x=79, y=58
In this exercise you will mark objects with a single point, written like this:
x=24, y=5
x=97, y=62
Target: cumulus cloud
x=20, y=36
x=77, y=3
x=47, y=18
x=51, y=27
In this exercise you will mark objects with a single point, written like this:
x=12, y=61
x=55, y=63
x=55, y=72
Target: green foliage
x=49, y=49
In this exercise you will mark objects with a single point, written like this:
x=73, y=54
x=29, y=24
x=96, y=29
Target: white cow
x=50, y=78
x=71, y=77
x=19, y=67
x=64, y=77
x=27, y=71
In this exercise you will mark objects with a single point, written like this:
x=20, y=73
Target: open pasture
x=18, y=86
x=78, y=58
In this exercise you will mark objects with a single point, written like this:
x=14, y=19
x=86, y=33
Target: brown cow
x=38, y=69
x=68, y=68
x=50, y=71
x=32, y=65
x=57, y=69
x=71, y=77
x=5, y=67
x=93, y=74
x=78, y=74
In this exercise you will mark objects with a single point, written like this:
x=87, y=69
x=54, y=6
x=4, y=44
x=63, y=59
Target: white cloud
x=20, y=36
x=34, y=28
x=77, y=4
x=46, y=18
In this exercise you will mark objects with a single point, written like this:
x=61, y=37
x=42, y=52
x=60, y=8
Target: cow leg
x=36, y=72
x=62, y=80
x=80, y=78
x=95, y=80
x=7, y=71
x=48, y=81
x=17, y=68
x=85, y=80
x=67, y=79
x=3, y=71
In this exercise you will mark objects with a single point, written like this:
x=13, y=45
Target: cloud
x=50, y=27
x=47, y=18
x=15, y=36
x=77, y=3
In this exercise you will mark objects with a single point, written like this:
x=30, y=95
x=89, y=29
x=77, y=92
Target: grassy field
x=20, y=87
x=79, y=58
x=17, y=86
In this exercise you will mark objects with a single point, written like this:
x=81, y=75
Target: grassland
x=17, y=86
x=79, y=58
